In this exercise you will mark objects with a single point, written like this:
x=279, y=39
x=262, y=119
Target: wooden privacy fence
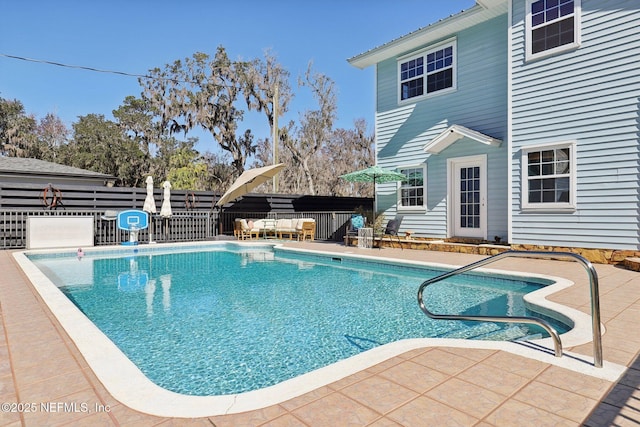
x=29, y=196
x=194, y=217
x=182, y=226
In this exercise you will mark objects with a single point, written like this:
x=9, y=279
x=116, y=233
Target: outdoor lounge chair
x=287, y=226
x=265, y=227
x=392, y=228
x=241, y=229
x=298, y=227
x=355, y=223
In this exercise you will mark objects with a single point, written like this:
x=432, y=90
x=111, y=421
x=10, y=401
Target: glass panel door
x=468, y=196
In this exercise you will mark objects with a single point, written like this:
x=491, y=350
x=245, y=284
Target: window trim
x=577, y=31
x=420, y=208
x=423, y=53
x=554, y=207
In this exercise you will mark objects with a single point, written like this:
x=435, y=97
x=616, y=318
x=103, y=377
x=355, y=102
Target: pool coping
x=128, y=384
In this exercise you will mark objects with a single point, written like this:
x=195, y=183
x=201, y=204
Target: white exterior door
x=467, y=196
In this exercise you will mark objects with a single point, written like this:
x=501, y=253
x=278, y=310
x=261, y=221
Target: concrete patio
x=44, y=380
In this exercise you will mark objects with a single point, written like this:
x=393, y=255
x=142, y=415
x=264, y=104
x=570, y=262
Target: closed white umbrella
x=165, y=210
x=149, y=201
x=150, y=205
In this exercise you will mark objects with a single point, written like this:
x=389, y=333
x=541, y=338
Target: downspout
x=509, y=122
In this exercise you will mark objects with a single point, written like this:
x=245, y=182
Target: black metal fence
x=182, y=226
x=329, y=225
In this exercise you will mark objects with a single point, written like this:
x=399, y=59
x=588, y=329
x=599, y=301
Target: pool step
x=512, y=333
x=471, y=332
x=493, y=332
x=531, y=337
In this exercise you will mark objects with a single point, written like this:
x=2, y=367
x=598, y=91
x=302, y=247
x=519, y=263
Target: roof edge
x=95, y=175
x=428, y=34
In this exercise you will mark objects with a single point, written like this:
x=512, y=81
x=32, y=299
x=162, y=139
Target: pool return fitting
x=593, y=283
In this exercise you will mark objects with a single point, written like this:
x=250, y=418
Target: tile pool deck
x=41, y=369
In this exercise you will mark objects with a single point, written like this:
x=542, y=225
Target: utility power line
x=79, y=67
x=97, y=70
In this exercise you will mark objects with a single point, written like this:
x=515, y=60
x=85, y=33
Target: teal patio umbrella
x=374, y=174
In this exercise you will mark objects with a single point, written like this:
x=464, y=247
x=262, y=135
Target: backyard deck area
x=44, y=380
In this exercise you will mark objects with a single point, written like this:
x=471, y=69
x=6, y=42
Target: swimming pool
x=191, y=319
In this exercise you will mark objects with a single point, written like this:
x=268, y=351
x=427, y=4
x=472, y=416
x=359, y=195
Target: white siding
x=479, y=103
x=590, y=95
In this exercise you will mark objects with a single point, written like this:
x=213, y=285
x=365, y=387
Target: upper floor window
x=549, y=177
x=552, y=26
x=428, y=72
x=412, y=189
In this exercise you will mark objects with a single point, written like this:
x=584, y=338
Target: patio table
x=365, y=238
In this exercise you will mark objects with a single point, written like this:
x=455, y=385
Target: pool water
x=215, y=322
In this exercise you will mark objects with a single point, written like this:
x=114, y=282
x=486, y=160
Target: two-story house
x=516, y=119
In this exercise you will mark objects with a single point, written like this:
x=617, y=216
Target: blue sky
x=134, y=36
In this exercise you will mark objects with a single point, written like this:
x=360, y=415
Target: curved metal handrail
x=595, y=298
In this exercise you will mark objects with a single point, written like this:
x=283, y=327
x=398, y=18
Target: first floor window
x=412, y=188
x=549, y=177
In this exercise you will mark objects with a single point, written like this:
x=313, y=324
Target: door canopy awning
x=456, y=132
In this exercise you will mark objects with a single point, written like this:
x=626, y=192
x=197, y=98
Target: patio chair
x=392, y=228
x=109, y=215
x=355, y=223
x=108, y=229
x=237, y=229
x=308, y=230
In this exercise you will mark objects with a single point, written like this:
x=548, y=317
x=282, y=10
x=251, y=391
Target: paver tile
x=443, y=361
x=494, y=379
x=335, y=409
x=425, y=411
x=515, y=413
x=414, y=376
x=379, y=393
x=556, y=401
x=466, y=397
